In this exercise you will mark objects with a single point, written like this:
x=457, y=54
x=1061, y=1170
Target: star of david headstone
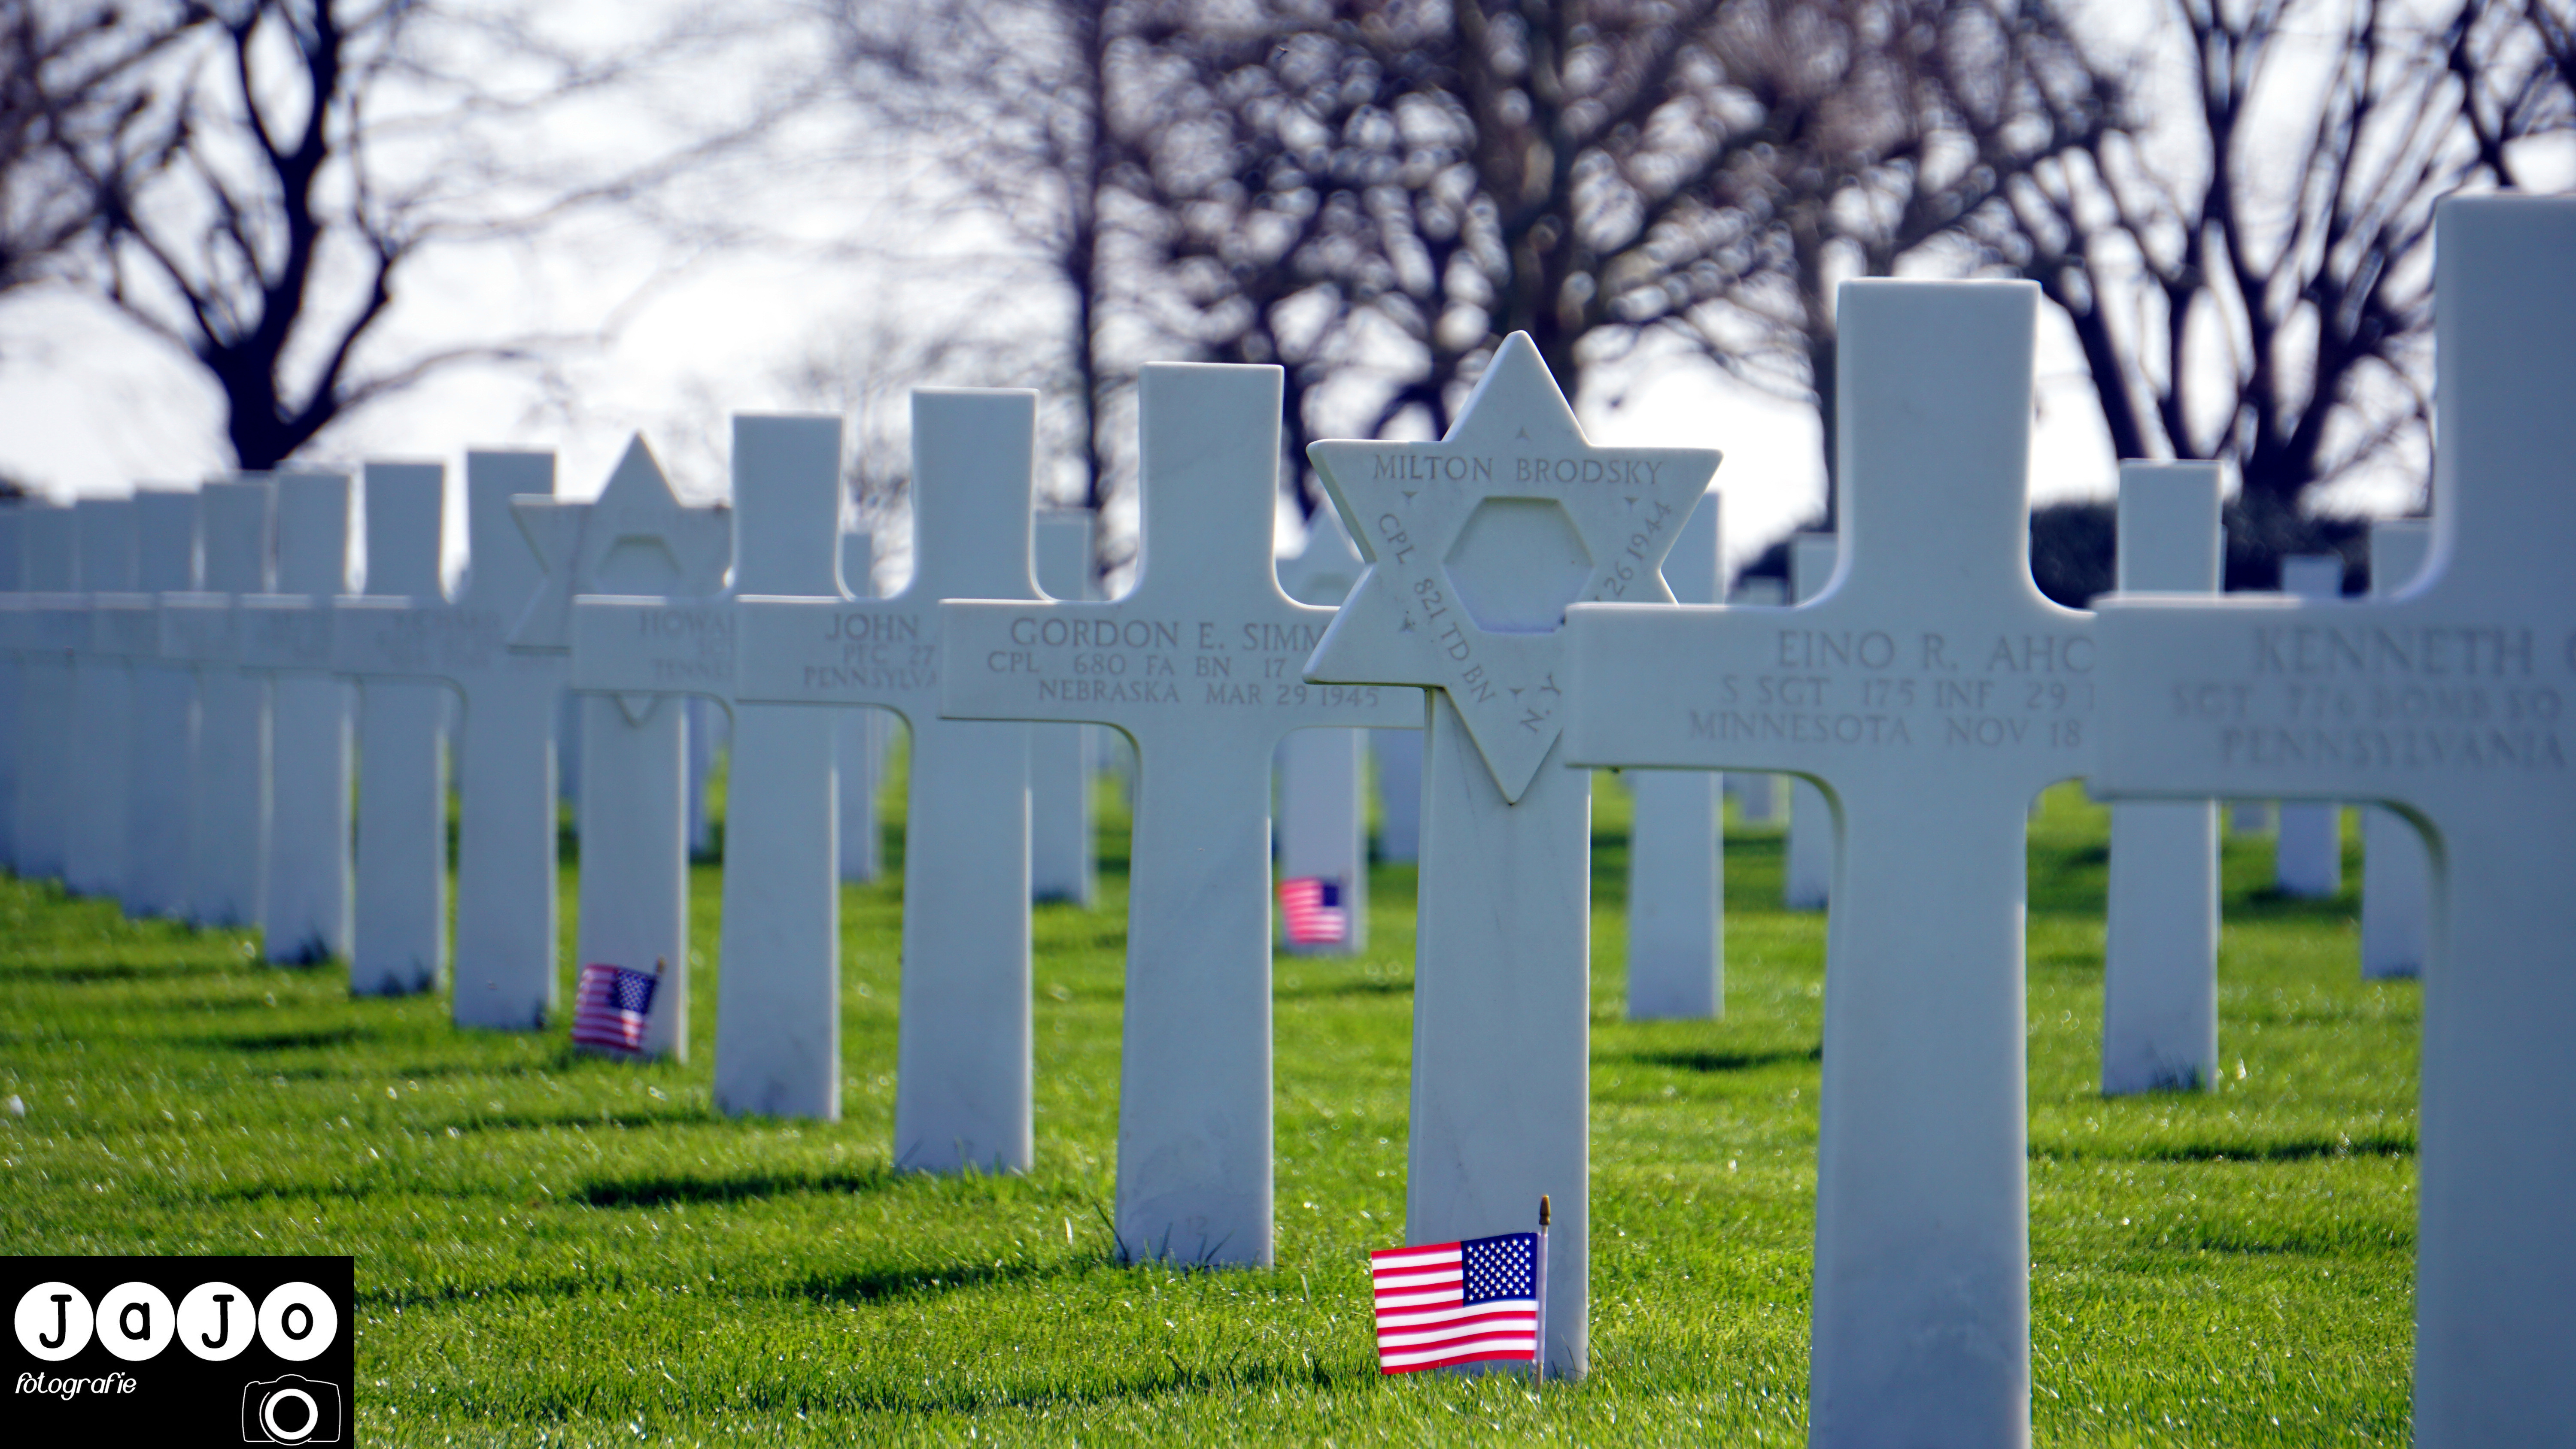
x=636, y=537
x=1930, y=691
x=2450, y=701
x=1476, y=544
x=785, y=638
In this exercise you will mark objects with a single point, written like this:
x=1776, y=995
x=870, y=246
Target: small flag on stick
x=1456, y=1302
x=1313, y=907
x=612, y=1006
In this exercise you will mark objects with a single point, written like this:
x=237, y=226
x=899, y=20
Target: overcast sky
x=91, y=406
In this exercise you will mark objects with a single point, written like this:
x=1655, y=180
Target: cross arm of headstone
x=1477, y=543
x=1206, y=635
x=289, y=630
x=804, y=640
x=676, y=642
x=200, y=625
x=418, y=632
x=1930, y=644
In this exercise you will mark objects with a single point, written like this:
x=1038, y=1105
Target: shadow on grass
x=675, y=1115
x=2295, y=1149
x=876, y=1285
x=1741, y=1061
x=666, y=1191
x=283, y=1041
x=98, y=973
x=1385, y=986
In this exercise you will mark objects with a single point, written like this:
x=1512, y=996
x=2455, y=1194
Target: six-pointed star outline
x=1406, y=506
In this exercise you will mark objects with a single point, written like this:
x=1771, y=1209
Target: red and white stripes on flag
x=611, y=1007
x=1315, y=914
x=1456, y=1302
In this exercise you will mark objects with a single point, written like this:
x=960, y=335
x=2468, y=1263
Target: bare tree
x=308, y=154
x=77, y=70
x=2250, y=273
x=1335, y=176
x=1013, y=100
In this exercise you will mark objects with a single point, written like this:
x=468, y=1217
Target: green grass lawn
x=557, y=1249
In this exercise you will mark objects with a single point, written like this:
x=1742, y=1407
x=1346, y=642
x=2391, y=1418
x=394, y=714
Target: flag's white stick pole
x=1542, y=1287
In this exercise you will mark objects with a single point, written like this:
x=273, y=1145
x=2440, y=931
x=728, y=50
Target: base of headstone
x=506, y=917
x=1323, y=828
x=778, y=999
x=1807, y=876
x=963, y=1095
x=163, y=789
x=1676, y=930
x=307, y=917
x=228, y=819
x=2159, y=993
x=1502, y=1018
x=860, y=762
x=400, y=943
x=634, y=861
x=103, y=721
x=2396, y=895
x=44, y=765
x=1063, y=759
x=2307, y=858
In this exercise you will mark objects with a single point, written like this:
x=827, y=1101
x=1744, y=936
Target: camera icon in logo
x=291, y=1409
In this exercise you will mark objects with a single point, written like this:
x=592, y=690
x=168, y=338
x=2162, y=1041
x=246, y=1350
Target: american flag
x=1456, y=1302
x=612, y=1006
x=1313, y=906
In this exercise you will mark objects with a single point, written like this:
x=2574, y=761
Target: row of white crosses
x=1935, y=691
x=1928, y=691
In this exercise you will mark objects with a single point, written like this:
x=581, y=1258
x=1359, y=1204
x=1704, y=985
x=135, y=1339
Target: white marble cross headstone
x=2160, y=935
x=1808, y=857
x=1323, y=776
x=635, y=538
x=860, y=760
x=1931, y=691
x=288, y=635
x=1062, y=758
x=1476, y=545
x=228, y=807
x=2396, y=870
x=2307, y=850
x=103, y=701
x=400, y=946
x=778, y=989
x=1197, y=665
x=2448, y=701
x=787, y=640
x=1676, y=914
x=162, y=774
x=53, y=624
x=408, y=630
